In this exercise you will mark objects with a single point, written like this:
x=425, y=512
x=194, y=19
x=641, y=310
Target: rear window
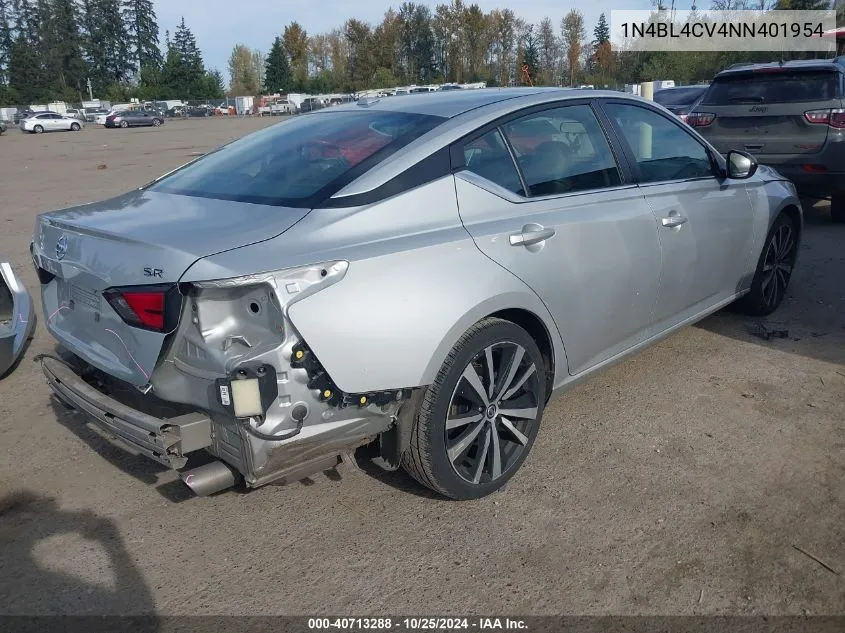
x=774, y=87
x=298, y=162
x=678, y=96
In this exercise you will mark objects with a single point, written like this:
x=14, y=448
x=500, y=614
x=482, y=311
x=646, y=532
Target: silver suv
x=790, y=115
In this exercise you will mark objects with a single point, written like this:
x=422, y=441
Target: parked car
x=91, y=114
x=680, y=100
x=50, y=122
x=75, y=113
x=134, y=118
x=280, y=107
x=313, y=287
x=790, y=115
x=309, y=104
x=2, y=126
x=20, y=115
x=451, y=87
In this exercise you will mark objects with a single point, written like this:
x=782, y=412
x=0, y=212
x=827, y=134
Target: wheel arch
x=538, y=330
x=792, y=211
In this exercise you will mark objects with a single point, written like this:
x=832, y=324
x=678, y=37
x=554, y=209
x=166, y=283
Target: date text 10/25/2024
x=416, y=624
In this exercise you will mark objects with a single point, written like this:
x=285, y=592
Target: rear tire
x=479, y=418
x=124, y=124
x=774, y=269
x=837, y=208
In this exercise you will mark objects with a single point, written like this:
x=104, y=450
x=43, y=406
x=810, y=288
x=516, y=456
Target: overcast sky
x=220, y=24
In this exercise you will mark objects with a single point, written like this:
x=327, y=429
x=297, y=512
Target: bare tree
x=573, y=34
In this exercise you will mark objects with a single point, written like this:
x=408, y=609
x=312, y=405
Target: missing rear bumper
x=167, y=441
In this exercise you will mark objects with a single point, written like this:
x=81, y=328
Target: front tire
x=75, y=127
x=38, y=129
x=837, y=208
x=479, y=418
x=156, y=122
x=774, y=269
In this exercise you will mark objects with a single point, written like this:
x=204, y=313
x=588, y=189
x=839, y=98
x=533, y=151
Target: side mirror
x=741, y=165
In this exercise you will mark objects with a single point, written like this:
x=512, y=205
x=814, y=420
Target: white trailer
x=243, y=105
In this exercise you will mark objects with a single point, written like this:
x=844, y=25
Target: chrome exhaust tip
x=210, y=478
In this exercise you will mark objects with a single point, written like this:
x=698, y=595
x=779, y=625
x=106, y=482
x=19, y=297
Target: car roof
x=837, y=63
x=451, y=103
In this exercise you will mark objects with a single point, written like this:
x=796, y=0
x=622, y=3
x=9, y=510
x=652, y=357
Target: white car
x=50, y=122
x=100, y=119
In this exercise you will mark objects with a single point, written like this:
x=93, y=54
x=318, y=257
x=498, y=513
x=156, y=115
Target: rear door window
x=290, y=163
x=562, y=150
x=776, y=86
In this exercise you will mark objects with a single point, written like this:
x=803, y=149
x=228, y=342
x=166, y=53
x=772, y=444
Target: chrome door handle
x=534, y=236
x=674, y=220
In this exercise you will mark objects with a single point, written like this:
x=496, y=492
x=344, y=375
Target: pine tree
x=530, y=56
x=62, y=50
x=601, y=32
x=5, y=38
x=183, y=73
x=277, y=72
x=26, y=73
x=142, y=26
x=107, y=43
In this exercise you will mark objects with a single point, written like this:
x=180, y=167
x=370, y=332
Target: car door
x=543, y=195
x=705, y=222
x=53, y=122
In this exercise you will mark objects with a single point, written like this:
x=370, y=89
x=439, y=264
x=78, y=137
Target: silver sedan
x=50, y=122
x=412, y=277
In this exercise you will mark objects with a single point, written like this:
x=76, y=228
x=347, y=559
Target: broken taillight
x=146, y=307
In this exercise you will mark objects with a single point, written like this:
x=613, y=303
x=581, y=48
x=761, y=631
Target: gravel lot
x=679, y=482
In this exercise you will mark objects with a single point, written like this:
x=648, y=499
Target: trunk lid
x=762, y=111
x=145, y=240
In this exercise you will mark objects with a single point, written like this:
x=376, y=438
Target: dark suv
x=790, y=115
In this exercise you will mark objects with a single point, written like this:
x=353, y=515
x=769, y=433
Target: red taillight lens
x=817, y=117
x=140, y=307
x=833, y=118
x=700, y=119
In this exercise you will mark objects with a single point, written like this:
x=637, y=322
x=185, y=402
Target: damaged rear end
x=169, y=366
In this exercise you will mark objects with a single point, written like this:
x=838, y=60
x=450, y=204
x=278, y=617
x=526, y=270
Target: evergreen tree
x=189, y=52
x=183, y=73
x=601, y=32
x=277, y=73
x=107, y=43
x=530, y=55
x=142, y=26
x=61, y=47
x=5, y=38
x=25, y=73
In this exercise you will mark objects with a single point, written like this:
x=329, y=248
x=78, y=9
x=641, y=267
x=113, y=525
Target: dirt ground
x=679, y=482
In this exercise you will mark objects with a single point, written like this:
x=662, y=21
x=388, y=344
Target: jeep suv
x=790, y=115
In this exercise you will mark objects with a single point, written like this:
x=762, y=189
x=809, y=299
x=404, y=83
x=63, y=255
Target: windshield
x=678, y=96
x=773, y=87
x=294, y=162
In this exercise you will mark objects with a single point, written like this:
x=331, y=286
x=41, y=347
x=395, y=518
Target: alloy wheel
x=778, y=264
x=492, y=413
